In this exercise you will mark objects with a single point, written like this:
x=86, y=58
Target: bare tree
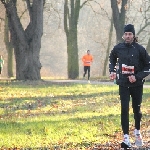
x=71, y=17
x=119, y=17
x=148, y=46
x=26, y=42
x=9, y=48
x=108, y=47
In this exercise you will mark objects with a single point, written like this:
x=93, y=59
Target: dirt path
x=86, y=82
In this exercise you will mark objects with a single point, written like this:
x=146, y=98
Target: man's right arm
x=112, y=65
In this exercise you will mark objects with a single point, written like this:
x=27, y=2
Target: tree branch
x=65, y=16
x=3, y=2
x=84, y=3
x=101, y=9
x=29, y=8
x=146, y=25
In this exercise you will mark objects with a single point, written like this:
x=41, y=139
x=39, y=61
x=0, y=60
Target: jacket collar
x=129, y=44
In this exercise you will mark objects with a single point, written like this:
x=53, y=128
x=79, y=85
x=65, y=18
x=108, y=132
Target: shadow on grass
x=32, y=103
x=13, y=104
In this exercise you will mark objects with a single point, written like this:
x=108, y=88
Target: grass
x=61, y=116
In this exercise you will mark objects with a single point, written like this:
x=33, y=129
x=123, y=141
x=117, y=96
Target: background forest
x=72, y=27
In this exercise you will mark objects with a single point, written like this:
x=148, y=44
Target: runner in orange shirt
x=87, y=60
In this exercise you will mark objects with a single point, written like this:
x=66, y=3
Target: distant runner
x=87, y=60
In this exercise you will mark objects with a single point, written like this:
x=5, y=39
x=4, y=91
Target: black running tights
x=136, y=94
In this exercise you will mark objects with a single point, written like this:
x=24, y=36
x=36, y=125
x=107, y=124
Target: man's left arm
x=146, y=65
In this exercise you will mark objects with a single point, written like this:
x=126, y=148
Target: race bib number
x=127, y=69
x=87, y=62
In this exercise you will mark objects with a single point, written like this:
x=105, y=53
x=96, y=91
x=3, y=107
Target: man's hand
x=112, y=75
x=132, y=78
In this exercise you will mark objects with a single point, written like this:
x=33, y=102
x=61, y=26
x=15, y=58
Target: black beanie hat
x=129, y=28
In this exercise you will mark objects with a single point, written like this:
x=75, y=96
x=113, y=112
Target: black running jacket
x=132, y=55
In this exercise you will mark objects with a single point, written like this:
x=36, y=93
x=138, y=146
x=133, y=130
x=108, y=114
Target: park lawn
x=61, y=116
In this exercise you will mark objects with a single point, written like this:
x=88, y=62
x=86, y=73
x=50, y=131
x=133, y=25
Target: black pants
x=136, y=94
x=87, y=68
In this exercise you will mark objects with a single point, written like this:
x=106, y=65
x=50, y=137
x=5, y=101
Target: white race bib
x=127, y=69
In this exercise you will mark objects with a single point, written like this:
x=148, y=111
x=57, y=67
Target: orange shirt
x=87, y=59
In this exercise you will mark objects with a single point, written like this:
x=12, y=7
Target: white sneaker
x=126, y=141
x=138, y=140
x=89, y=81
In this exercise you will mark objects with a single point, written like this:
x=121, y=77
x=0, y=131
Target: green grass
x=42, y=114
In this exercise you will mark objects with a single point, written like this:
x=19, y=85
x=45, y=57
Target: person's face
x=88, y=52
x=128, y=37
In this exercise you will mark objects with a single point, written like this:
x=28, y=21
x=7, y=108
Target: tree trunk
x=108, y=48
x=118, y=18
x=26, y=43
x=70, y=26
x=148, y=46
x=9, y=48
x=72, y=50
